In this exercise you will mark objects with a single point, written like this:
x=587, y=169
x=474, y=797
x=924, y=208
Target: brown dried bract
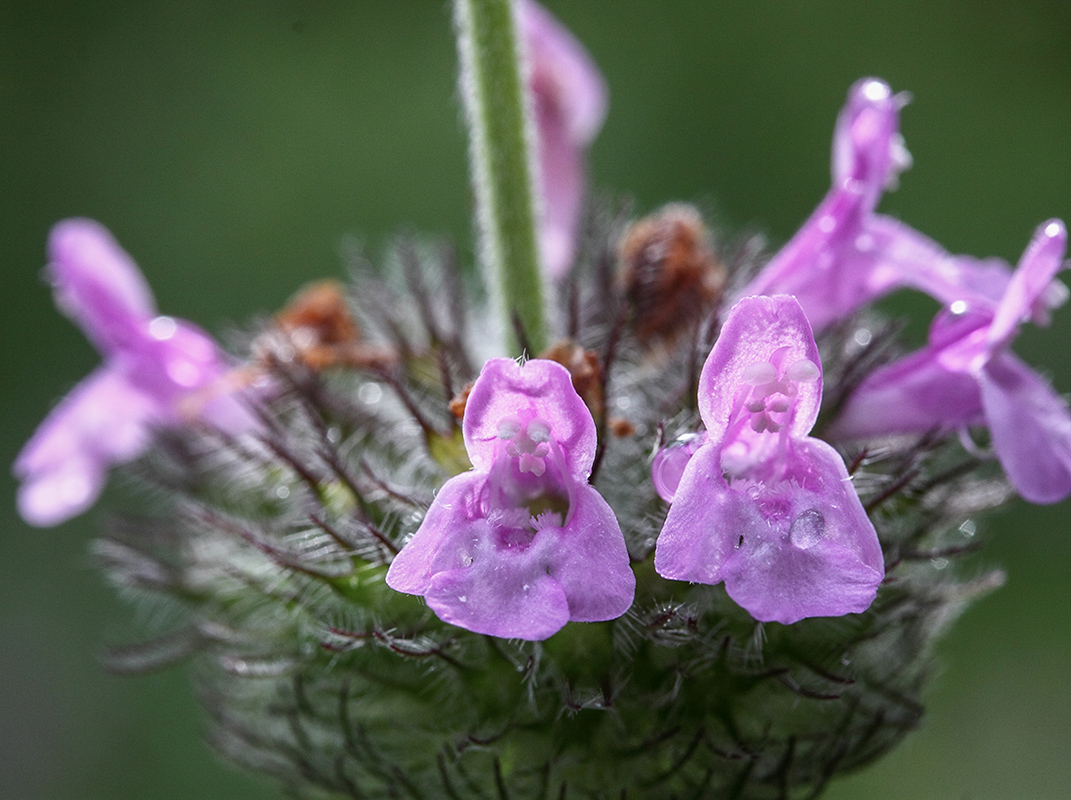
x=586, y=371
x=457, y=405
x=670, y=274
x=319, y=332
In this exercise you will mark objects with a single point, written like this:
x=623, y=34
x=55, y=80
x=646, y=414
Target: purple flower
x=523, y=543
x=761, y=505
x=569, y=103
x=846, y=255
x=967, y=375
x=156, y=371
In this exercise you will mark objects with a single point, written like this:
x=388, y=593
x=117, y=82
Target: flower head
x=967, y=375
x=156, y=371
x=761, y=505
x=569, y=102
x=846, y=254
x=521, y=544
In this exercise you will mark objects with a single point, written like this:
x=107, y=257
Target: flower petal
x=505, y=601
x=563, y=72
x=62, y=469
x=98, y=285
x=704, y=523
x=447, y=539
x=1030, y=427
x=866, y=143
x=816, y=554
x=590, y=561
x=1041, y=261
x=540, y=386
x=754, y=329
x=568, y=97
x=912, y=395
x=786, y=584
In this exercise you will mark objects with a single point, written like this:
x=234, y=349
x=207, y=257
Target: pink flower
x=569, y=102
x=523, y=543
x=156, y=371
x=761, y=505
x=967, y=375
x=846, y=254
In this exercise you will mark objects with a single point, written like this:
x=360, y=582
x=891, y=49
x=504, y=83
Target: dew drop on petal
x=875, y=91
x=162, y=328
x=185, y=373
x=807, y=529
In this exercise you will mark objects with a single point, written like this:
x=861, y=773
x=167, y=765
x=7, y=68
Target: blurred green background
x=231, y=145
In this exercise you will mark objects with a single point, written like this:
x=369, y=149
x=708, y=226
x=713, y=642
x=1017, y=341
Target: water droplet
x=282, y=492
x=184, y=372
x=827, y=224
x=807, y=529
x=939, y=563
x=462, y=598
x=875, y=91
x=369, y=393
x=968, y=528
x=162, y=328
x=863, y=337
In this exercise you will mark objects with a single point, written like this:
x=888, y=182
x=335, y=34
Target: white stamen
x=759, y=373
x=509, y=427
x=538, y=430
x=803, y=371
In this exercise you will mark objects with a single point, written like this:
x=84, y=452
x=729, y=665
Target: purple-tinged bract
x=967, y=375
x=846, y=254
x=156, y=371
x=568, y=96
x=761, y=505
x=523, y=543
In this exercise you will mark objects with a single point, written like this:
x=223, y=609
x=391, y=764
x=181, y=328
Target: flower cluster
x=523, y=543
x=377, y=514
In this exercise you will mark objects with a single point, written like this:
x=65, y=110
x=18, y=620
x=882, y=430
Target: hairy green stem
x=503, y=167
